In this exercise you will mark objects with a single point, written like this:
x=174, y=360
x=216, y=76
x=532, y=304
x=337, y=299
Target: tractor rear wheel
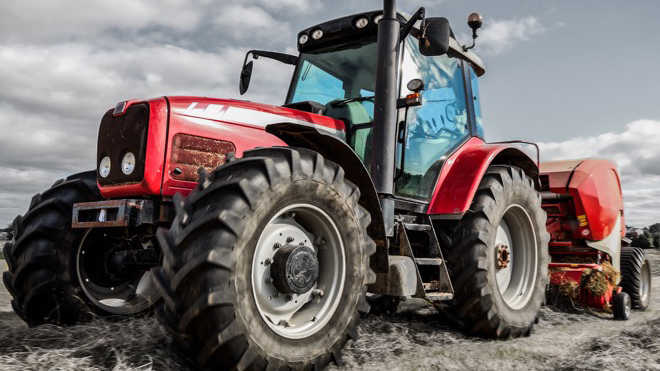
x=636, y=276
x=266, y=263
x=499, y=260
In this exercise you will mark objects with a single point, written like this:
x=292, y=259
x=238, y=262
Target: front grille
x=121, y=134
x=190, y=152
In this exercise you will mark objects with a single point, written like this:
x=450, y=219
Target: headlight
x=378, y=18
x=317, y=34
x=128, y=163
x=104, y=167
x=361, y=23
x=303, y=39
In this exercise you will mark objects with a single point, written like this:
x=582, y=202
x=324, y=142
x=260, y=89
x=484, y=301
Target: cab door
x=434, y=129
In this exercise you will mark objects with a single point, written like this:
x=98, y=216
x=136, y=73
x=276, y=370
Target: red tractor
x=261, y=228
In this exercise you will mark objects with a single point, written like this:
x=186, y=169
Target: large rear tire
x=232, y=299
x=636, y=276
x=499, y=260
x=41, y=277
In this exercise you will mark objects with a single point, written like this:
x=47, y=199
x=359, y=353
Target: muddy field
x=416, y=338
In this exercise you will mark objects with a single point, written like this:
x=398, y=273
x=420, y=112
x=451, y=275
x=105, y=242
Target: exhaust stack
x=385, y=111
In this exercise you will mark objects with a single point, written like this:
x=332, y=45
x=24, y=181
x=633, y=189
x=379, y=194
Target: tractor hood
x=219, y=112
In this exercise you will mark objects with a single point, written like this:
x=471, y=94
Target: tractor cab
x=437, y=107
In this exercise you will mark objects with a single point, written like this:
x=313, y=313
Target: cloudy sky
x=579, y=77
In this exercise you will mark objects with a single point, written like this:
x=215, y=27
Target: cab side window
x=435, y=128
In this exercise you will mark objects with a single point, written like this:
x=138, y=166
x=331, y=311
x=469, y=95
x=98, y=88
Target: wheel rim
x=517, y=278
x=293, y=315
x=627, y=306
x=121, y=297
x=645, y=283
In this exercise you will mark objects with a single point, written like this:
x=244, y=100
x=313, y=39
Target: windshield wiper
x=342, y=102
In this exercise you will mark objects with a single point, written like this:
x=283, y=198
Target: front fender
x=463, y=170
x=335, y=149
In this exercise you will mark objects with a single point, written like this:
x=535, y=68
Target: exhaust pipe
x=385, y=111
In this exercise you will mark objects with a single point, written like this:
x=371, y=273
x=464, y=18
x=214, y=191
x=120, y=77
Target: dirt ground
x=416, y=338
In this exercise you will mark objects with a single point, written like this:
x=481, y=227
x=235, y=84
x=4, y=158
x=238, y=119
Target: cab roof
x=341, y=31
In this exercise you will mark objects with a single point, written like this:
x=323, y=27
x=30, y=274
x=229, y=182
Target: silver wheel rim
x=516, y=281
x=297, y=316
x=645, y=283
x=123, y=299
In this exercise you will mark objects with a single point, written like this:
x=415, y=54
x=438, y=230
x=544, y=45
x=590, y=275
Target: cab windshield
x=343, y=80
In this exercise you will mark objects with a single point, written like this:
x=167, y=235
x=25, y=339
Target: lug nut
x=289, y=239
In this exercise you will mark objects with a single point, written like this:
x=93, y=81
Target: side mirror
x=246, y=74
x=435, y=36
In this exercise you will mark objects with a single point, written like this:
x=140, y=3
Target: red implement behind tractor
x=590, y=267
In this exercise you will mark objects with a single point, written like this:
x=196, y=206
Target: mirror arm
x=418, y=16
x=280, y=57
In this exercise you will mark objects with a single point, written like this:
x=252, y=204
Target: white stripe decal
x=246, y=116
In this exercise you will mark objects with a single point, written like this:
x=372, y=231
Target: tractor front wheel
x=61, y=275
x=499, y=260
x=266, y=263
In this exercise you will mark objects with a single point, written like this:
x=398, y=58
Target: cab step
x=439, y=296
x=429, y=261
x=417, y=227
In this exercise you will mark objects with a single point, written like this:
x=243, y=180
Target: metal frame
x=129, y=212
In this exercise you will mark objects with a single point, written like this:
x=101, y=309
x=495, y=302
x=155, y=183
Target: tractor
x=261, y=233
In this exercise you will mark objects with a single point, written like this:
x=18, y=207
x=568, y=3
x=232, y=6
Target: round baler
x=590, y=266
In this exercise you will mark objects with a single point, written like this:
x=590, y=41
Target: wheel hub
x=503, y=256
x=295, y=269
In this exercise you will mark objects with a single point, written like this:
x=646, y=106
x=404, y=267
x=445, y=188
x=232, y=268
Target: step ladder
x=432, y=275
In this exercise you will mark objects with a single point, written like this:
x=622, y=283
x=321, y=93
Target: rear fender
x=336, y=150
x=463, y=170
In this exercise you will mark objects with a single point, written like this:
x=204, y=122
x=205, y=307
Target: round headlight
x=378, y=18
x=128, y=163
x=303, y=39
x=104, y=167
x=361, y=22
x=317, y=34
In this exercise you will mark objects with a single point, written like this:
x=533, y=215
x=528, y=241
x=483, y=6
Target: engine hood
x=251, y=114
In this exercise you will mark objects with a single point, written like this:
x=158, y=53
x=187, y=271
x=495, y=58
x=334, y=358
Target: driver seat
x=352, y=113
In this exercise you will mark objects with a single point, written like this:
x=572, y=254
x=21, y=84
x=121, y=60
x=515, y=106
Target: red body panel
x=460, y=176
x=595, y=189
x=201, y=123
x=242, y=123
